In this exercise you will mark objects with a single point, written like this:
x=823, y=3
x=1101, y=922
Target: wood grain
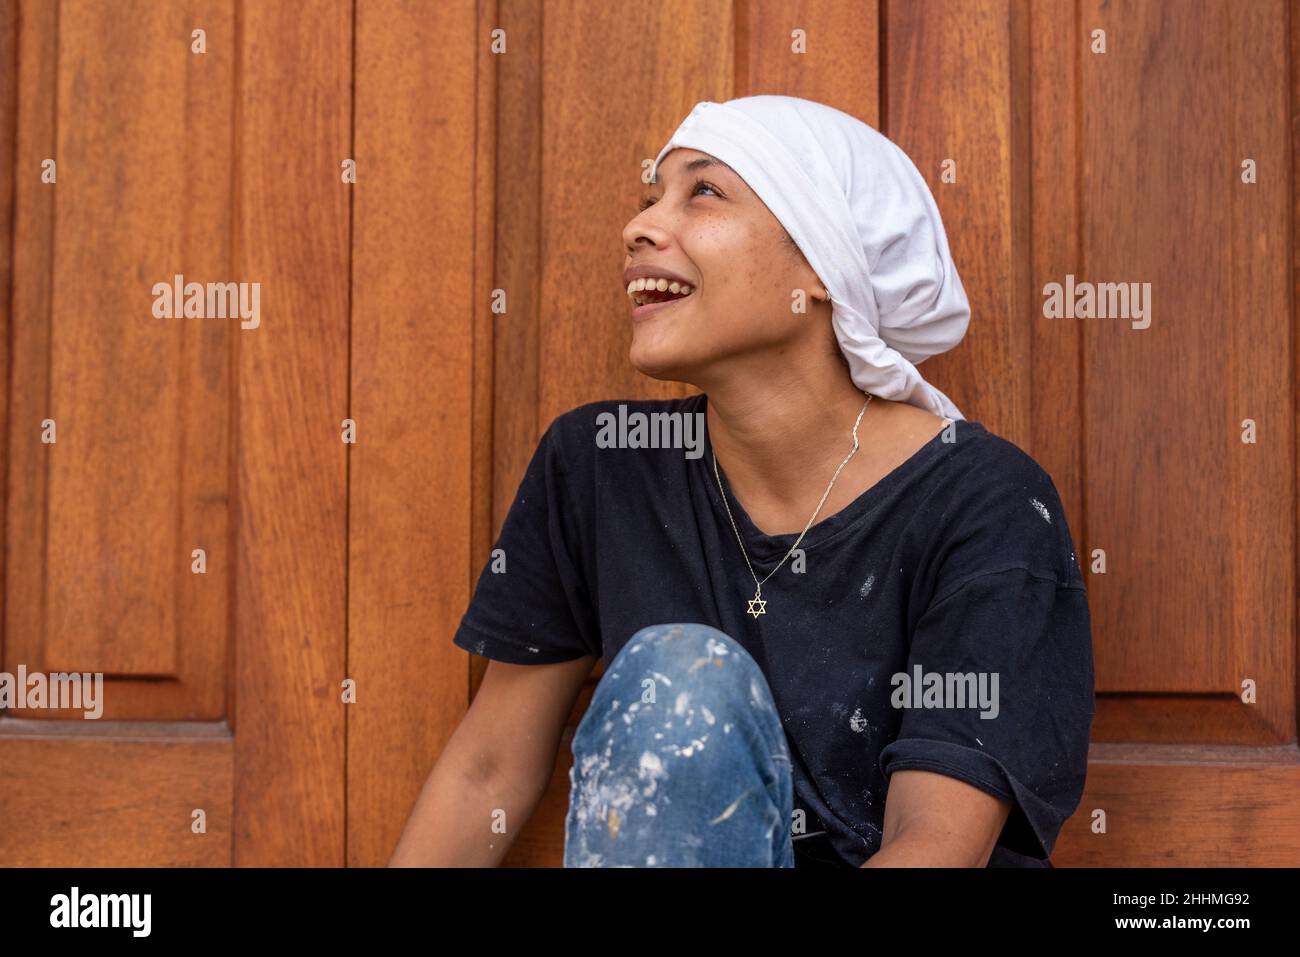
x=294, y=125
x=417, y=300
x=115, y=800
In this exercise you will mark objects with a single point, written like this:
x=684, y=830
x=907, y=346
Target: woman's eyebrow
x=702, y=162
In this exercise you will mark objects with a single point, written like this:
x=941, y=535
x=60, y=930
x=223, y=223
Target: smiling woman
x=844, y=525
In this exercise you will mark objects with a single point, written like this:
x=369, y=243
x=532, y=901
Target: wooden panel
x=8, y=153
x=33, y=231
x=949, y=95
x=294, y=127
x=107, y=583
x=1195, y=599
x=838, y=67
x=1172, y=806
x=113, y=794
x=417, y=300
x=114, y=369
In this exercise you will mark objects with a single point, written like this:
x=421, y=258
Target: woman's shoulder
x=987, y=461
x=993, y=490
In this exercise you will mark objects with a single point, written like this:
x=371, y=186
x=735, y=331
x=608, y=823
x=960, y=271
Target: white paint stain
x=697, y=744
x=679, y=707
x=866, y=586
x=708, y=715
x=857, y=722
x=1042, y=510
x=651, y=769
x=604, y=795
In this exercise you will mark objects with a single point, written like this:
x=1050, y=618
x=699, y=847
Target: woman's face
x=702, y=223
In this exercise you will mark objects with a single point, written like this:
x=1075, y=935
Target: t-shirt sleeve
x=1000, y=663
x=532, y=604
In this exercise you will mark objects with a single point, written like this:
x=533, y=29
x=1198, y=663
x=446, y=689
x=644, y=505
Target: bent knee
x=690, y=643
x=691, y=658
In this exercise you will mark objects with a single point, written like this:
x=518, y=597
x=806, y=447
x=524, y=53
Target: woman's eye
x=650, y=201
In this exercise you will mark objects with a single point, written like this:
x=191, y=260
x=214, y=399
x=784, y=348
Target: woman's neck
x=781, y=439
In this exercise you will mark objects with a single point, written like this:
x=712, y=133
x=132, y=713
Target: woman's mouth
x=650, y=296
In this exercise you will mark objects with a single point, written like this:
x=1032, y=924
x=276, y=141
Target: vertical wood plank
x=34, y=202
x=840, y=62
x=1261, y=348
x=417, y=299
x=294, y=126
x=8, y=153
x=949, y=95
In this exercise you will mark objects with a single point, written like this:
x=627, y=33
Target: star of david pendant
x=758, y=602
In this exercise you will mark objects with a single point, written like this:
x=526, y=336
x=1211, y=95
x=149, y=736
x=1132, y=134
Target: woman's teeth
x=642, y=291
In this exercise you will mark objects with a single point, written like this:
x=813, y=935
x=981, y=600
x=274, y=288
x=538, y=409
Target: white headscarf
x=864, y=219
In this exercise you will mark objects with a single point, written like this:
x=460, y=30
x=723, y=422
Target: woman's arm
x=495, y=767
x=932, y=820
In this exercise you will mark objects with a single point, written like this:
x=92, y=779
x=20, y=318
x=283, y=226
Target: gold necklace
x=757, y=606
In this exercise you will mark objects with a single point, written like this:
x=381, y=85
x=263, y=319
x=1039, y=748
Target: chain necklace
x=757, y=605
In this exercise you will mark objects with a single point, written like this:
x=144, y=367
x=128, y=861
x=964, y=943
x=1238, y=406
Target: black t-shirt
x=957, y=563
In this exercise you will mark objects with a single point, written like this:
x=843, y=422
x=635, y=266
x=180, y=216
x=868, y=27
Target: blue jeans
x=680, y=759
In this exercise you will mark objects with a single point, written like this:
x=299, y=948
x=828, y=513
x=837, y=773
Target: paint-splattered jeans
x=680, y=759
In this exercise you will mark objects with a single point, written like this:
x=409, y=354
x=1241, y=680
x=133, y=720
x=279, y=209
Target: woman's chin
x=655, y=359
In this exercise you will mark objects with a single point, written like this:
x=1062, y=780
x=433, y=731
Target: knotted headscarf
x=864, y=219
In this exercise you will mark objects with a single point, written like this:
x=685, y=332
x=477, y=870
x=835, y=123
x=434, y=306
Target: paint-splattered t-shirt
x=956, y=570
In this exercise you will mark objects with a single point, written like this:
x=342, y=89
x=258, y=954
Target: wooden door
x=258, y=706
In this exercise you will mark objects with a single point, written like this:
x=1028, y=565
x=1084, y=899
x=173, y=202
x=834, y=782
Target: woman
x=853, y=631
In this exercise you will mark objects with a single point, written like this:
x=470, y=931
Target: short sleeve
x=999, y=689
x=1024, y=735
x=532, y=604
